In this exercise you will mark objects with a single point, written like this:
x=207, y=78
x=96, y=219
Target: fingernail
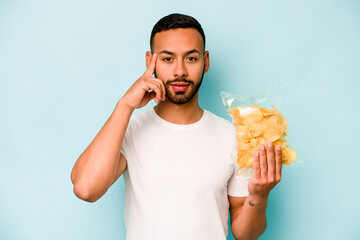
x=269, y=144
x=262, y=147
x=278, y=147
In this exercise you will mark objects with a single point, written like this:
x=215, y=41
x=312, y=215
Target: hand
x=267, y=170
x=138, y=94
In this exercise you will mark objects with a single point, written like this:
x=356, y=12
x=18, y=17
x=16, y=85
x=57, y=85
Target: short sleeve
x=238, y=183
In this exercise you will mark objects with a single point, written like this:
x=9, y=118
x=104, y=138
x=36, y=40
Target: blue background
x=64, y=65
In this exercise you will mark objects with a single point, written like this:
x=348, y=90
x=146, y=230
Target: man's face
x=181, y=62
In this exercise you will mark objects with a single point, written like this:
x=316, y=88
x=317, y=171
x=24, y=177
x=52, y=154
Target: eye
x=192, y=59
x=167, y=59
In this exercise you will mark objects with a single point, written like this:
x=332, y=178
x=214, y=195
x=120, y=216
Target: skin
x=177, y=55
x=248, y=215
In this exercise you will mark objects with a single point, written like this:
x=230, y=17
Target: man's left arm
x=248, y=214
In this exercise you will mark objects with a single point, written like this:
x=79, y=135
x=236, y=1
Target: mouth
x=180, y=86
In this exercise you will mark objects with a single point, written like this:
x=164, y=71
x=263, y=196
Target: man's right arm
x=95, y=170
x=102, y=163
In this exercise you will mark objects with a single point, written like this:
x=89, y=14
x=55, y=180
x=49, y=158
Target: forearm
x=94, y=171
x=251, y=221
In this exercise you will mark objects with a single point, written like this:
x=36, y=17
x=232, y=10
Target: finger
x=270, y=156
x=159, y=85
x=150, y=95
x=256, y=165
x=156, y=88
x=263, y=164
x=162, y=85
x=278, y=156
x=150, y=70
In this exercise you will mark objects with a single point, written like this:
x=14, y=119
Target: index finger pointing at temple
x=150, y=70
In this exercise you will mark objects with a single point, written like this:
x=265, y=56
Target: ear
x=206, y=61
x=148, y=56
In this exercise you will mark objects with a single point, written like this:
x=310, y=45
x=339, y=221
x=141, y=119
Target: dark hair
x=174, y=21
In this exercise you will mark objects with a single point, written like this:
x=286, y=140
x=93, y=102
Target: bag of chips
x=259, y=119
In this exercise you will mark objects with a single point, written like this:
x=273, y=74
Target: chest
x=195, y=162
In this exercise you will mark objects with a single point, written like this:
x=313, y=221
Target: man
x=179, y=160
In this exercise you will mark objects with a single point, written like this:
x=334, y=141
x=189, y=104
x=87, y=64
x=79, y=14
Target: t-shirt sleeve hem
x=122, y=151
x=238, y=193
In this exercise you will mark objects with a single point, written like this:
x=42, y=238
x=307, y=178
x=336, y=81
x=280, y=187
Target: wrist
x=124, y=103
x=257, y=200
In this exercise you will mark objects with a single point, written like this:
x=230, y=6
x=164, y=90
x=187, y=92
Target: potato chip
x=255, y=126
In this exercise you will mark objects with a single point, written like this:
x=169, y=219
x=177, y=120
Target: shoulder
x=221, y=122
x=141, y=116
x=225, y=132
x=140, y=120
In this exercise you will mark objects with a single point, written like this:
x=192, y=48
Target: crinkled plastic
x=259, y=119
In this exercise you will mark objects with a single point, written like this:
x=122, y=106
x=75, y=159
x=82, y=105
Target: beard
x=182, y=97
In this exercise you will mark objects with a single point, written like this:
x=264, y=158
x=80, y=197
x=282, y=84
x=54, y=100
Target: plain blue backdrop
x=64, y=65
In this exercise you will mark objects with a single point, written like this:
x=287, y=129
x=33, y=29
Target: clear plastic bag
x=259, y=119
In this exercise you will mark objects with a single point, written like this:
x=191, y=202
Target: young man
x=179, y=160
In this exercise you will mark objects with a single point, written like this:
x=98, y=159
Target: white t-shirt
x=178, y=177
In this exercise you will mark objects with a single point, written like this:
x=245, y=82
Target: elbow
x=82, y=191
x=84, y=194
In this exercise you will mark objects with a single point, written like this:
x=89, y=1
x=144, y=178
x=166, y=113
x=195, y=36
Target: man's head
x=176, y=21
x=179, y=42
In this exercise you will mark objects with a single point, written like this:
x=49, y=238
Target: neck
x=187, y=113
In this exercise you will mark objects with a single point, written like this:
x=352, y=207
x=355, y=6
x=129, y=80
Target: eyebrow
x=186, y=53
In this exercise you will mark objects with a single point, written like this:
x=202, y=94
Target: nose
x=180, y=69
